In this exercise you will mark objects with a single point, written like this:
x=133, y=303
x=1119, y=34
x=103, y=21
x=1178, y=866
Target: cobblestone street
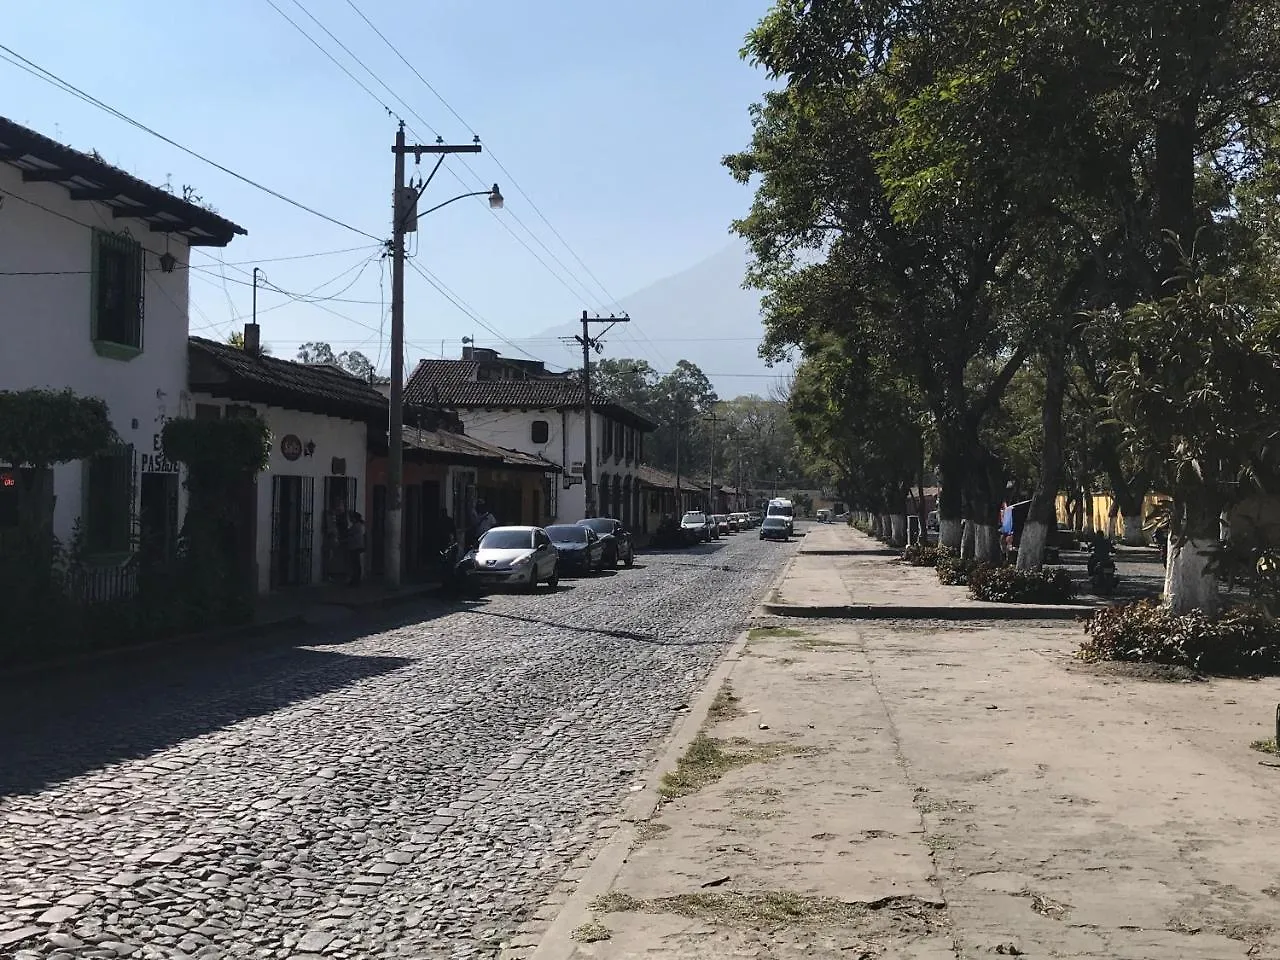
x=408, y=792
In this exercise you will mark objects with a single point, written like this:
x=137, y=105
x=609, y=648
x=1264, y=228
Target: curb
x=895, y=612
x=247, y=631
x=554, y=942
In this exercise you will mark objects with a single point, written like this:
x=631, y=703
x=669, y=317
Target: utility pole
x=590, y=343
x=679, y=504
x=404, y=209
x=712, y=419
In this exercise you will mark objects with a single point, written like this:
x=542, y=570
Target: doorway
x=339, y=502
x=158, y=518
x=292, y=506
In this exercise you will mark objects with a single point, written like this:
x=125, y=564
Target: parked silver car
x=516, y=557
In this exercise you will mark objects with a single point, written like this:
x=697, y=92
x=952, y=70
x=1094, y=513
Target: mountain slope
x=702, y=315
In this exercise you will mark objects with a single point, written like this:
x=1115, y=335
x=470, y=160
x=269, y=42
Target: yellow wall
x=1098, y=510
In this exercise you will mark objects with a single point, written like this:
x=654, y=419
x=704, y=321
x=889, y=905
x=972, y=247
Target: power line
x=335, y=60
x=467, y=309
x=49, y=77
x=581, y=287
x=612, y=300
x=430, y=279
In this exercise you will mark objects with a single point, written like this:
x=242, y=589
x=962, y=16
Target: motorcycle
x=454, y=569
x=1103, y=576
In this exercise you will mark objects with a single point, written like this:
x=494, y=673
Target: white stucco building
x=319, y=420
x=93, y=297
x=519, y=405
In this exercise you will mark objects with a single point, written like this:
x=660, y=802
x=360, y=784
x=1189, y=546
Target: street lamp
x=403, y=215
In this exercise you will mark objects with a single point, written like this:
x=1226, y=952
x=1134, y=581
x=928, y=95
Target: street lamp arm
x=494, y=195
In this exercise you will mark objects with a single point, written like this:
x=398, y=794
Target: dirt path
x=938, y=790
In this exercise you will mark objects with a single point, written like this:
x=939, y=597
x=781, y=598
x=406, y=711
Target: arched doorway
x=602, y=500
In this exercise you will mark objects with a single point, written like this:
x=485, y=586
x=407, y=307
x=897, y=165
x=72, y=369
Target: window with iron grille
x=117, y=291
x=541, y=431
x=108, y=501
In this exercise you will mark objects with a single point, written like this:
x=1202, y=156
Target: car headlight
x=522, y=561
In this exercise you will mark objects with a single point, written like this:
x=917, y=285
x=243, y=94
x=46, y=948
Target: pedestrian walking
x=485, y=521
x=355, y=549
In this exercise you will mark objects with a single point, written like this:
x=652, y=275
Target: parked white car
x=516, y=557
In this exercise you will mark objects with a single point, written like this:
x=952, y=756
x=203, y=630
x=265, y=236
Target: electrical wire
x=611, y=299
x=581, y=287
x=49, y=77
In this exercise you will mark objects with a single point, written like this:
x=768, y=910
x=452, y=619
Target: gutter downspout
x=564, y=450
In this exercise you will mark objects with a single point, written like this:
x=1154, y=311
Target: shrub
x=953, y=571
x=1010, y=585
x=1246, y=640
x=921, y=555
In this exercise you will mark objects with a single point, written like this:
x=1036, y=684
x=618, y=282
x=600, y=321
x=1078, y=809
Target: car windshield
x=775, y=522
x=507, y=540
x=567, y=533
x=778, y=510
x=694, y=518
x=598, y=524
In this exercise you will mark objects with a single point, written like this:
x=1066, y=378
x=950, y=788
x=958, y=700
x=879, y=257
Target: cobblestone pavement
x=408, y=792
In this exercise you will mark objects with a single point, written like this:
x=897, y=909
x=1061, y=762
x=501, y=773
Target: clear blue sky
x=612, y=118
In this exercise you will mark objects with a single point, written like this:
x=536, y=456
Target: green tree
x=236, y=339
x=352, y=361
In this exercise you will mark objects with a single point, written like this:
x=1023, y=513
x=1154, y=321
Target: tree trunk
x=1189, y=587
x=1035, y=537
x=986, y=543
x=950, y=499
x=1112, y=513
x=875, y=525
x=1134, y=534
x=967, y=540
x=886, y=527
x=950, y=533
x=1043, y=509
x=898, y=530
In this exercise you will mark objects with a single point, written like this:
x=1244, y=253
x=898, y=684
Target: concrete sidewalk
x=943, y=790
x=841, y=572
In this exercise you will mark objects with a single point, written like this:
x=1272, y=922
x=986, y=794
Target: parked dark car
x=618, y=546
x=580, y=548
x=775, y=528
x=697, y=526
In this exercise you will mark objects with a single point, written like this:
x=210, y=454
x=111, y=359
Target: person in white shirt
x=485, y=521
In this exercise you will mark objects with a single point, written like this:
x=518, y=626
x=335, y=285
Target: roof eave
x=88, y=178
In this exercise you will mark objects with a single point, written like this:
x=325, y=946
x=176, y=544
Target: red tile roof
x=456, y=383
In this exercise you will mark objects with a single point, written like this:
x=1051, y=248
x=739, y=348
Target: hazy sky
x=611, y=116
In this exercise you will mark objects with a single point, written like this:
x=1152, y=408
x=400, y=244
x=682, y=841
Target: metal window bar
x=119, y=295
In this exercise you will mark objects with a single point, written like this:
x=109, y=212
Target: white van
x=783, y=508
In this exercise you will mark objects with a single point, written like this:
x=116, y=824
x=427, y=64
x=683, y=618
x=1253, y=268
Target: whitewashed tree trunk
x=886, y=527
x=1134, y=535
x=1035, y=537
x=1111, y=526
x=949, y=534
x=986, y=543
x=966, y=541
x=898, y=530
x=1188, y=586
x=875, y=525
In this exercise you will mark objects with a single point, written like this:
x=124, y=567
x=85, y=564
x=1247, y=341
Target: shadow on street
x=60, y=723
x=602, y=631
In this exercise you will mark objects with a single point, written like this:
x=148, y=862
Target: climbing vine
x=39, y=428
x=222, y=457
